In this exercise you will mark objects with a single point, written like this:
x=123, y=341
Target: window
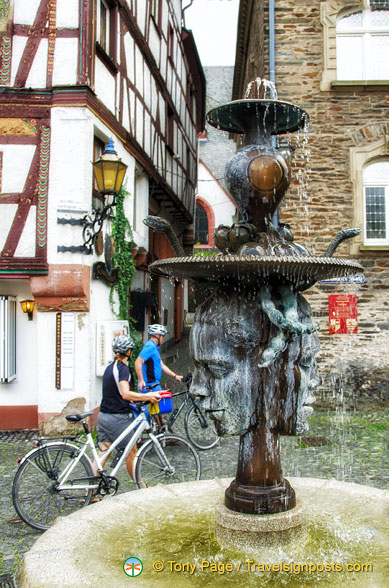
x=201, y=225
x=106, y=26
x=7, y=338
x=156, y=12
x=170, y=129
x=170, y=42
x=362, y=45
x=103, y=28
x=369, y=174
x=376, y=203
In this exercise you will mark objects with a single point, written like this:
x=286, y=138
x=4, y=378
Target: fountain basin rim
x=240, y=116
x=69, y=536
x=250, y=269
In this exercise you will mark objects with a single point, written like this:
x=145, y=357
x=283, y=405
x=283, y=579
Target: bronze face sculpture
x=228, y=340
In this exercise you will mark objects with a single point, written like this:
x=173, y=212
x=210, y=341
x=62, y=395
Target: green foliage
x=203, y=252
x=124, y=261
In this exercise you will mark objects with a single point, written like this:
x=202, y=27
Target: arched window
x=376, y=203
x=362, y=44
x=201, y=225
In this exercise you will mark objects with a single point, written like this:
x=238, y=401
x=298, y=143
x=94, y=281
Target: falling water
x=260, y=87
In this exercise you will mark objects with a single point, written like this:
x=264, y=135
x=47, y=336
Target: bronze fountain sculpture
x=253, y=340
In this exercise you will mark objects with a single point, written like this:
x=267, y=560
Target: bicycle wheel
x=200, y=431
x=180, y=462
x=34, y=490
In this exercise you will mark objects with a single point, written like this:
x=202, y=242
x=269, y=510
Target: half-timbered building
x=73, y=74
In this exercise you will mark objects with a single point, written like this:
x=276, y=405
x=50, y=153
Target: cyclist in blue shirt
x=149, y=365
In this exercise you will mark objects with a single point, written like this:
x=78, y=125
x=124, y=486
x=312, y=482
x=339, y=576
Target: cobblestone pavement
x=349, y=447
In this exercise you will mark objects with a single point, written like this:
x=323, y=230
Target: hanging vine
x=124, y=261
x=122, y=258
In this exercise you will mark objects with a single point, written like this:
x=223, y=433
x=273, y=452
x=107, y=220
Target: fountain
x=253, y=341
x=254, y=344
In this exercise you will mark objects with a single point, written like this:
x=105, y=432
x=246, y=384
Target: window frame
x=365, y=32
x=376, y=184
x=198, y=230
x=107, y=50
x=7, y=339
x=360, y=157
x=330, y=12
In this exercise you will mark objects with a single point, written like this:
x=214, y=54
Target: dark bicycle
x=198, y=427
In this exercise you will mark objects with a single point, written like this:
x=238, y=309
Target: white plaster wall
x=7, y=216
x=25, y=11
x=65, y=62
x=16, y=165
x=104, y=85
x=26, y=245
x=177, y=6
x=51, y=399
x=132, y=110
x=155, y=43
x=140, y=211
x=147, y=86
x=23, y=390
x=129, y=48
x=18, y=45
x=67, y=13
x=211, y=191
x=37, y=75
x=163, y=60
x=139, y=71
x=70, y=179
x=139, y=121
x=147, y=136
x=100, y=310
x=141, y=16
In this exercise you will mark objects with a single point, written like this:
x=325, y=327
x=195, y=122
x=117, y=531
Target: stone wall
x=218, y=148
x=321, y=201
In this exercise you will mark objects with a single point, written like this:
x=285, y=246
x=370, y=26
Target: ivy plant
x=124, y=261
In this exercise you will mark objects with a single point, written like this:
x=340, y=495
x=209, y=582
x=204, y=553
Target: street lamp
x=28, y=307
x=109, y=172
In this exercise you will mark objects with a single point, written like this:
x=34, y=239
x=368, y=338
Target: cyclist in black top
x=116, y=409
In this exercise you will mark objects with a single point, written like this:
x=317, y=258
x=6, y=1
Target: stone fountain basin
x=249, y=269
x=345, y=524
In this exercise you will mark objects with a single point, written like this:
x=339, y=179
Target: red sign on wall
x=342, y=313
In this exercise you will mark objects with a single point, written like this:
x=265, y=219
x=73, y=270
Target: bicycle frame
x=139, y=425
x=176, y=412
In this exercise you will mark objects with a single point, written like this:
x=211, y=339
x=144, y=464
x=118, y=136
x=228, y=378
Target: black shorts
x=110, y=426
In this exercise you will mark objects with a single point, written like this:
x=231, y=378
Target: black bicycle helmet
x=121, y=344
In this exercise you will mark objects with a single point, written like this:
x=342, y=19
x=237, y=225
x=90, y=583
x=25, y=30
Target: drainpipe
x=272, y=44
x=272, y=73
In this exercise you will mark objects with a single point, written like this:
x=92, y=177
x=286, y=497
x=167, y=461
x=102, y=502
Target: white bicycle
x=56, y=478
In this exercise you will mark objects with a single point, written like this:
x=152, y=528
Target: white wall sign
x=64, y=368
x=106, y=331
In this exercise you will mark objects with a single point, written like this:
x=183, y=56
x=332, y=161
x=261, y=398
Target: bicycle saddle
x=76, y=418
